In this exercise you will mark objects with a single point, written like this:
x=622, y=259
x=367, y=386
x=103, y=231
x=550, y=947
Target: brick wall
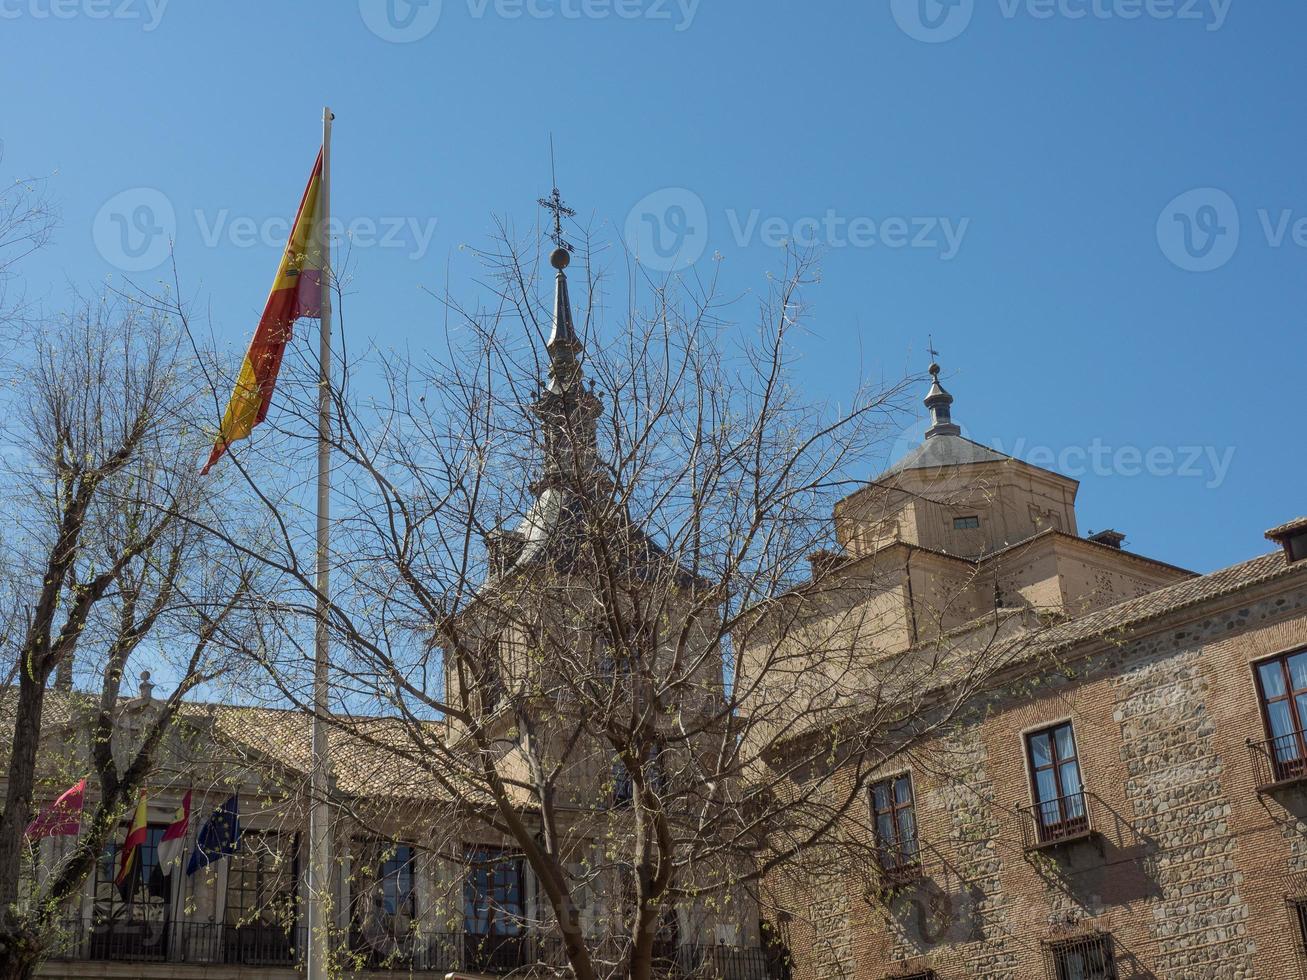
x=1191, y=869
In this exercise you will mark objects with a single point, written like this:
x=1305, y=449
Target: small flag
x=219, y=837
x=62, y=818
x=170, y=849
x=296, y=292
x=129, y=865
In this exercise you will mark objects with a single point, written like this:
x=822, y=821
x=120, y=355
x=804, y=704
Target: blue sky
x=1092, y=205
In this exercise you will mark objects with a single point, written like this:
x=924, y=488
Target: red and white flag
x=62, y=818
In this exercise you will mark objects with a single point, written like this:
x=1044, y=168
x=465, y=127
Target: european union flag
x=219, y=837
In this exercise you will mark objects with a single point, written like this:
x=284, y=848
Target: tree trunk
x=20, y=952
x=22, y=775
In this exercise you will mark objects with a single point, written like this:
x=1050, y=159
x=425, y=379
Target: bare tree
x=584, y=575
x=27, y=219
x=107, y=563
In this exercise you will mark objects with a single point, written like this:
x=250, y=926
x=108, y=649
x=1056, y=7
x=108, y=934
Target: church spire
x=568, y=412
x=939, y=401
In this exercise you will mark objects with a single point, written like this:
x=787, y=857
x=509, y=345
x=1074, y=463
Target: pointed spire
x=939, y=401
x=568, y=412
x=563, y=345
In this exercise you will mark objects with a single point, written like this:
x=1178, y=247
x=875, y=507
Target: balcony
x=218, y=944
x=899, y=861
x=1279, y=762
x=1058, y=822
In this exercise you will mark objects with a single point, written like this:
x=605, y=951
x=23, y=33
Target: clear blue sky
x=1002, y=174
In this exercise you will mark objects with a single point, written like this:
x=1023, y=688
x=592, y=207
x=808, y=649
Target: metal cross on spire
x=554, y=203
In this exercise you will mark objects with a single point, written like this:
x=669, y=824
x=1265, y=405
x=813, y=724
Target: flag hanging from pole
x=62, y=818
x=219, y=837
x=171, y=845
x=296, y=292
x=129, y=865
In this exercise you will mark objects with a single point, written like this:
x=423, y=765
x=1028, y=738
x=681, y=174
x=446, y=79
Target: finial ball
x=934, y=370
x=560, y=259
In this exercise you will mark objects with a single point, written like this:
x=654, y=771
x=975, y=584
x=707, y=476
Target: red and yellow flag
x=130, y=860
x=296, y=292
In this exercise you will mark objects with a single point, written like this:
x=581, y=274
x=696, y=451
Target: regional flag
x=170, y=849
x=129, y=865
x=62, y=818
x=219, y=837
x=296, y=292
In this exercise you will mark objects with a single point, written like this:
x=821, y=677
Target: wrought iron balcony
x=1280, y=761
x=216, y=943
x=900, y=861
x=1058, y=821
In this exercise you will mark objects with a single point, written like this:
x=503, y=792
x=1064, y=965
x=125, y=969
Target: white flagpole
x=319, y=880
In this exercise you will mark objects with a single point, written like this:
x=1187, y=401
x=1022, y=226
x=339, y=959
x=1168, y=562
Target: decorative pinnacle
x=939, y=401
x=554, y=203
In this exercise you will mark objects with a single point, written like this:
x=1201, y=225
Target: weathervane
x=930, y=348
x=554, y=203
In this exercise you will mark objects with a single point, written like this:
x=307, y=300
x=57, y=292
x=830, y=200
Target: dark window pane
x=1046, y=785
x=880, y=796
x=907, y=826
x=903, y=791
x=1281, y=720
x=1272, y=676
x=1298, y=671
x=1070, y=778
x=1041, y=751
x=885, y=826
x=1066, y=745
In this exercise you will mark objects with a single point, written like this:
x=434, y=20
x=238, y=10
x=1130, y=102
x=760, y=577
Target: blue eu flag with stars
x=219, y=837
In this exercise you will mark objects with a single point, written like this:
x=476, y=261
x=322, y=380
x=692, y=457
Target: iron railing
x=1057, y=821
x=1298, y=920
x=1087, y=957
x=899, y=860
x=216, y=943
x=146, y=941
x=1279, y=761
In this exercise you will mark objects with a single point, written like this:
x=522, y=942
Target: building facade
x=422, y=882
x=1128, y=799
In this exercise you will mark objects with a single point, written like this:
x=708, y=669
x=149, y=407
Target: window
x=1060, y=810
x=382, y=898
x=139, y=904
x=131, y=926
x=493, y=893
x=655, y=775
x=1298, y=913
x=260, y=909
x=623, y=787
x=261, y=880
x=895, y=823
x=1282, y=687
x=1086, y=958
x=966, y=523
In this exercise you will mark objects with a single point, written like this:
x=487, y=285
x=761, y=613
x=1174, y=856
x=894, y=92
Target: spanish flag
x=129, y=865
x=296, y=292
